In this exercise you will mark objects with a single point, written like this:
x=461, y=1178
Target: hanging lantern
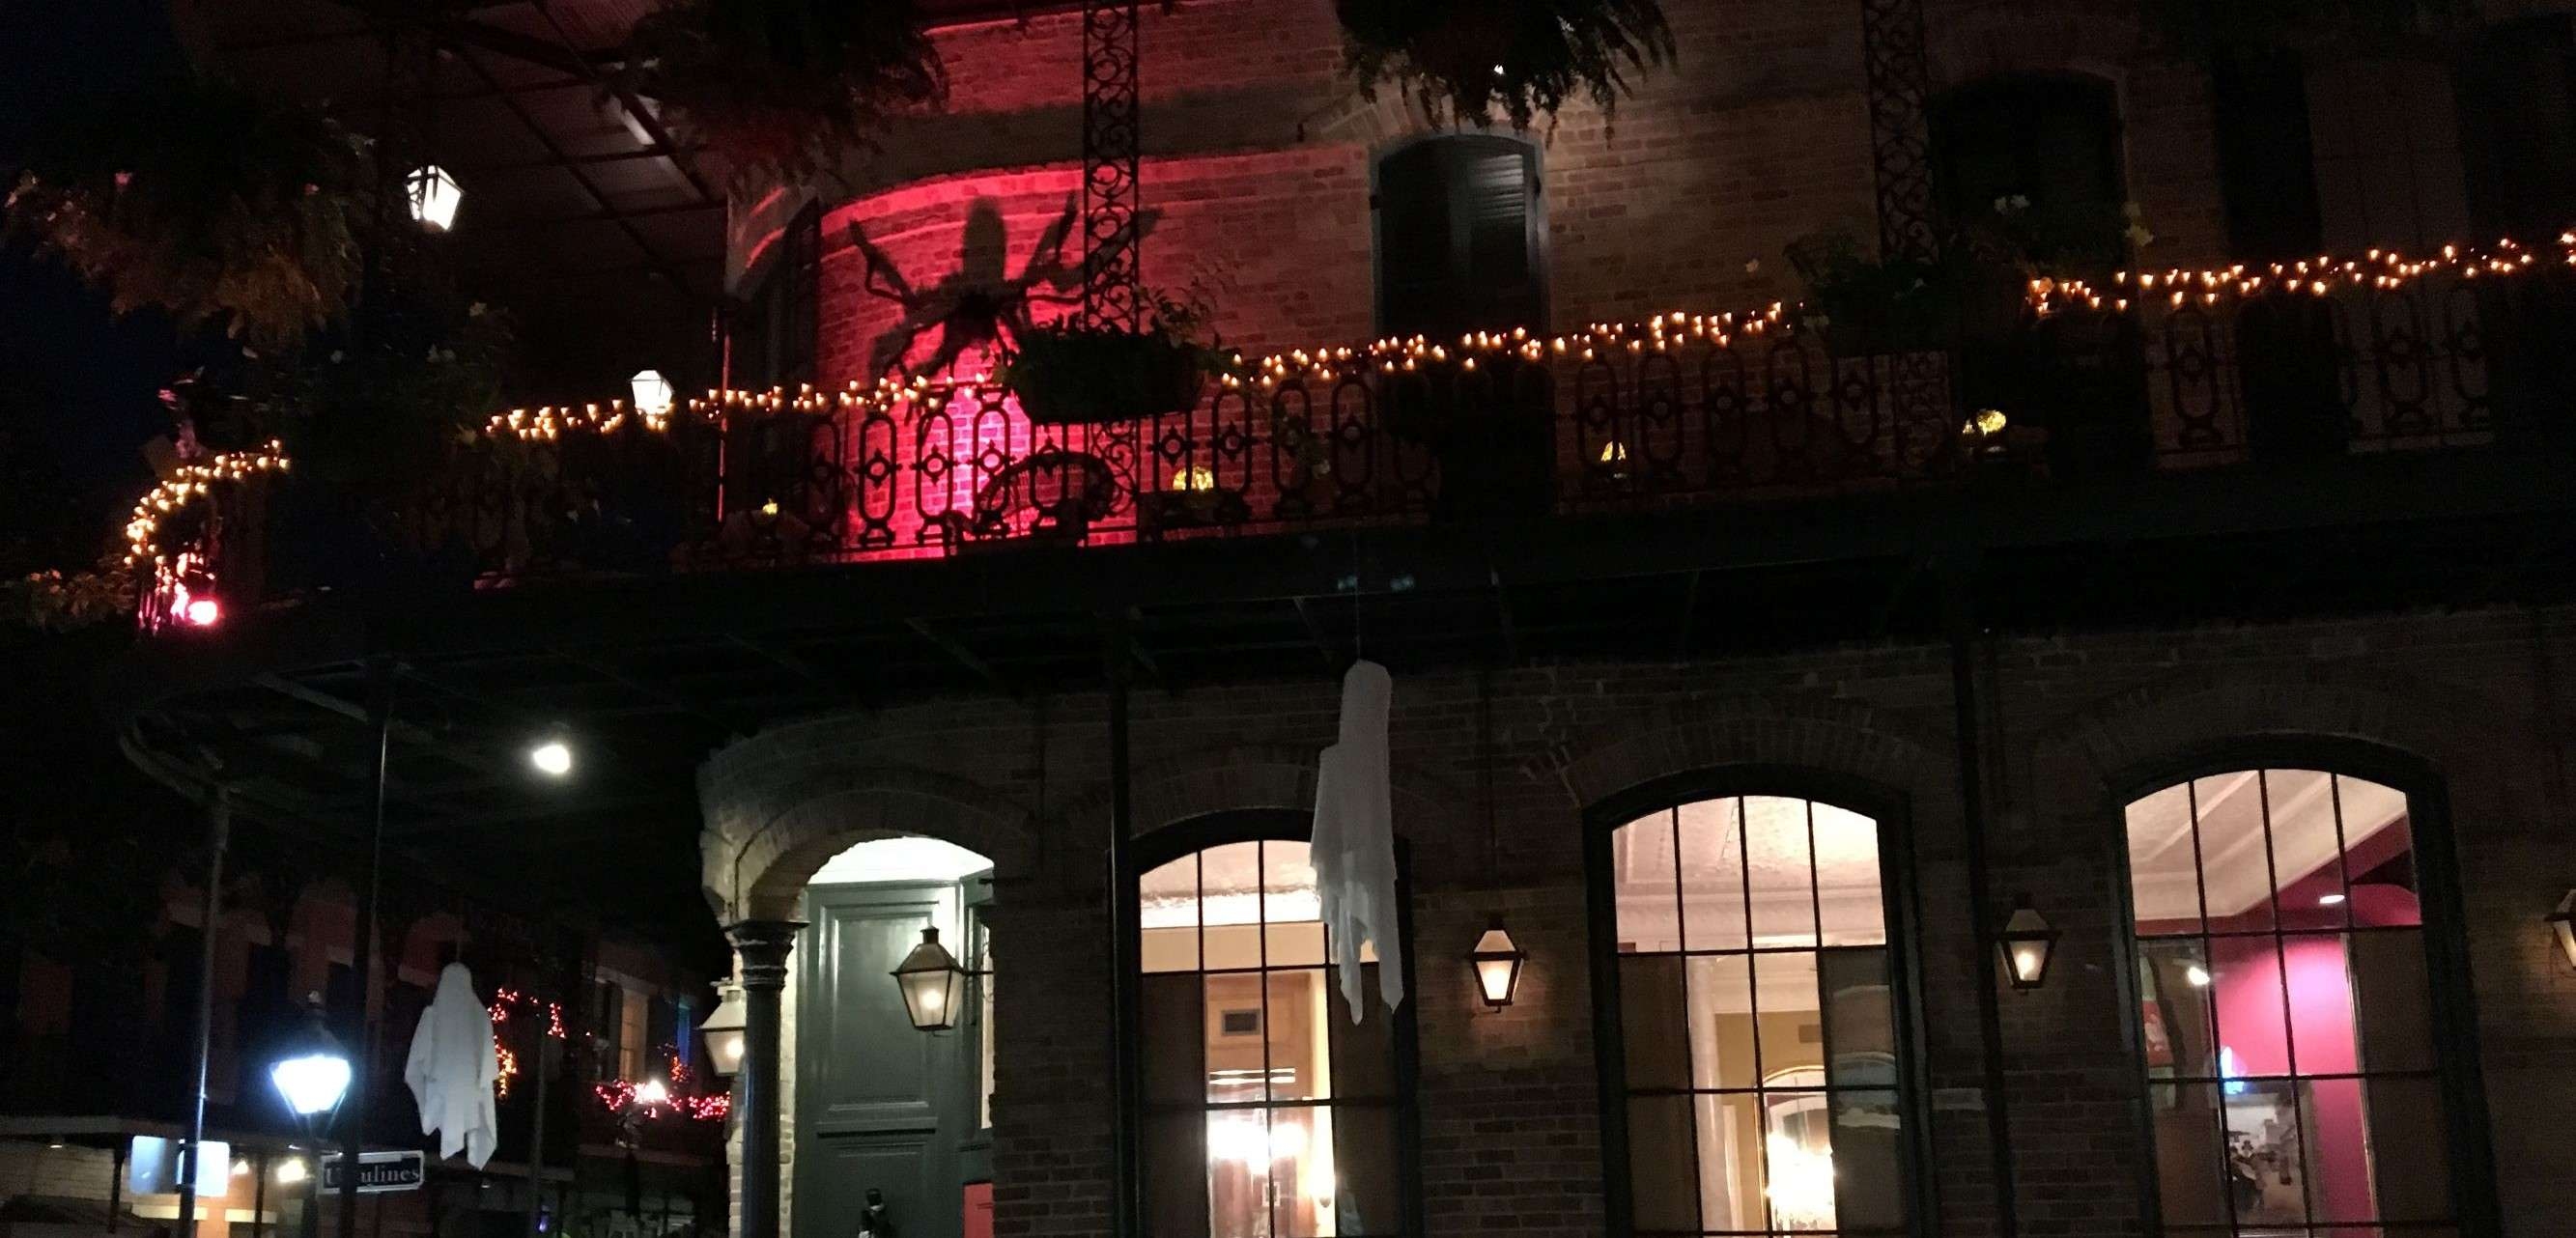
x=724, y=1031
x=933, y=985
x=652, y=392
x=1498, y=965
x=2027, y=943
x=434, y=197
x=2562, y=925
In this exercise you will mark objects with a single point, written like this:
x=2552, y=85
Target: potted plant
x=1464, y=58
x=1868, y=305
x=194, y=197
x=782, y=88
x=1070, y=373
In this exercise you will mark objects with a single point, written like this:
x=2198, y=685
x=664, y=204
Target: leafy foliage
x=1465, y=58
x=195, y=197
x=782, y=88
x=1067, y=372
x=1899, y=303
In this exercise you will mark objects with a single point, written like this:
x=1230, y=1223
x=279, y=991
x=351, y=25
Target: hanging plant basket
x=782, y=89
x=1066, y=373
x=196, y=198
x=1465, y=59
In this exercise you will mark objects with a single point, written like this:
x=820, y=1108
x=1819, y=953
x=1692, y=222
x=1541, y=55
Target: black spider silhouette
x=978, y=305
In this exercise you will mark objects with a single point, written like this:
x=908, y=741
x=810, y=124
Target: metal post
x=537, y=1124
x=1124, y=934
x=210, y=908
x=1111, y=270
x=1959, y=621
x=1899, y=74
x=362, y=951
x=116, y=1181
x=763, y=946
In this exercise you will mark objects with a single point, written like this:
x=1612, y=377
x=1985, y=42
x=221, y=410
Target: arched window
x=1458, y=237
x=2286, y=1010
x=1757, y=1072
x=2035, y=158
x=1269, y=1112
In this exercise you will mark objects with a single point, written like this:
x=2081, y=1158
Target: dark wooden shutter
x=2517, y=119
x=2267, y=163
x=1457, y=249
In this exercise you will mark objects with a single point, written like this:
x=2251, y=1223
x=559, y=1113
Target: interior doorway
x=878, y=1105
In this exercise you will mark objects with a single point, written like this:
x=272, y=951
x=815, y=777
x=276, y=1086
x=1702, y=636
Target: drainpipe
x=1125, y=932
x=1958, y=621
x=219, y=830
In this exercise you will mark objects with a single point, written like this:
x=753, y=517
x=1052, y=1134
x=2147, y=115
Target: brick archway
x=757, y=862
x=1993, y=40
x=1833, y=737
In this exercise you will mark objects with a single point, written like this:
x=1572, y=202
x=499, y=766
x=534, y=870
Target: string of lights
x=1664, y=333
x=504, y=1001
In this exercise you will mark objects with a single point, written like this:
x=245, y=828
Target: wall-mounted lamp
x=724, y=1030
x=2027, y=943
x=933, y=984
x=1498, y=965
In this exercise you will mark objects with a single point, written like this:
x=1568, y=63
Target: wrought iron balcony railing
x=1676, y=413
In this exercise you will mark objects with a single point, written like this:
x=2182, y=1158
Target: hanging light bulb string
x=2381, y=270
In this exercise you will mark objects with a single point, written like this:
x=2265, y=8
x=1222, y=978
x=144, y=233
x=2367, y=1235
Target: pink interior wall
x=2247, y=992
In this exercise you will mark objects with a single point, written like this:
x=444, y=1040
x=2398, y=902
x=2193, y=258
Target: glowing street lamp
x=313, y=1078
x=652, y=392
x=434, y=197
x=2027, y=942
x=552, y=756
x=1498, y=965
x=724, y=1030
x=933, y=984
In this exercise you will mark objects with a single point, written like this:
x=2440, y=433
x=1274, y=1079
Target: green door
x=880, y=1105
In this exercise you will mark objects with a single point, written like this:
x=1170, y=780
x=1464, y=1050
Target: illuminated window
x=1757, y=1010
x=2285, y=1006
x=1268, y=1112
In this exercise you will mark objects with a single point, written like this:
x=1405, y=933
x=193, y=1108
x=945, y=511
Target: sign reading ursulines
x=378, y=1172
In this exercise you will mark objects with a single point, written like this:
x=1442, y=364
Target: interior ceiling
x=2313, y=818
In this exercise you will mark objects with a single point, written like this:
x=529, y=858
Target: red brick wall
x=1508, y=1105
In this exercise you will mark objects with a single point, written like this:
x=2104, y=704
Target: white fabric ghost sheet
x=452, y=1068
x=1354, y=840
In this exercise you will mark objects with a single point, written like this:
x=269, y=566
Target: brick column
x=762, y=947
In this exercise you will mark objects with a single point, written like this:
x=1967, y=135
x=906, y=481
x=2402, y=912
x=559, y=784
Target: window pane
x=1288, y=883
x=1789, y=1016
x=2307, y=857
x=1651, y=1002
x=2379, y=854
x=1236, y=1071
x=1798, y=1160
x=2395, y=999
x=1730, y=1162
x=2164, y=878
x=2410, y=1163
x=2195, y=1182
x=2321, y=1031
x=1868, y=1161
x=1175, y=1178
x=1176, y=1036
x=1712, y=860
x=2338, y=1139
x=2245, y=992
x=1661, y=1178
x=2235, y=857
x=1721, y=1023
x=1300, y=1057
x=1778, y=862
x=1850, y=901
x=1301, y=1167
x=1364, y=1161
x=2266, y=1165
x=1364, y=1052
x=2174, y=988
x=1859, y=1018
x=1238, y=1174
x=1229, y=884
x=1641, y=881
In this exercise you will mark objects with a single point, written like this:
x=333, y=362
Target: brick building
x=2209, y=613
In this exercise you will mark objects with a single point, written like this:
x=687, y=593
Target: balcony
x=1675, y=413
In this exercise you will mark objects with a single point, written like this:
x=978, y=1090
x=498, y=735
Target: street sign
x=378, y=1172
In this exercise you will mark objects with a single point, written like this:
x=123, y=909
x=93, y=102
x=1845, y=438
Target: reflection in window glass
x=2284, y=1009
x=1758, y=1021
x=1269, y=1113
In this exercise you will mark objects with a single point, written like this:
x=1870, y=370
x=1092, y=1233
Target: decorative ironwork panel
x=1900, y=128
x=1111, y=275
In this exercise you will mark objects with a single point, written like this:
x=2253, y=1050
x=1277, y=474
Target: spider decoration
x=978, y=305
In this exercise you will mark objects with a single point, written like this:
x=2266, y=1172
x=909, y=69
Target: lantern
x=724, y=1031
x=652, y=392
x=314, y=1075
x=933, y=985
x=434, y=197
x=1498, y=965
x=2562, y=925
x=2027, y=942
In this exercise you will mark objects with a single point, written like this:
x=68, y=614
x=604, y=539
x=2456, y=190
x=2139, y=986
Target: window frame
x=1534, y=222
x=1152, y=850
x=2452, y=996
x=1891, y=813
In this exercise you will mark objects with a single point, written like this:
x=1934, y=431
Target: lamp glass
x=1498, y=965
x=313, y=1083
x=2027, y=943
x=652, y=392
x=434, y=197
x=2562, y=925
x=552, y=758
x=932, y=984
x=724, y=1032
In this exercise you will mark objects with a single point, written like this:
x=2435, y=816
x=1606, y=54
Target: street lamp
x=313, y=1078
x=2027, y=942
x=652, y=392
x=552, y=754
x=434, y=197
x=1498, y=965
x=932, y=984
x=724, y=1031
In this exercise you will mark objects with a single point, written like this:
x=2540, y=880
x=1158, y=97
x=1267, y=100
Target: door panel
x=878, y=1104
